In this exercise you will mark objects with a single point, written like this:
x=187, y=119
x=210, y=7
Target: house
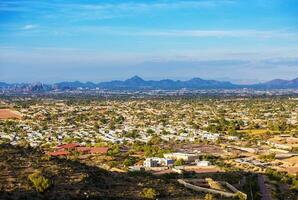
x=210, y=136
x=83, y=149
x=58, y=153
x=233, y=138
x=156, y=162
x=92, y=150
x=181, y=156
x=65, y=148
x=167, y=162
x=99, y=150
x=279, y=145
x=244, y=149
x=136, y=168
x=68, y=146
x=203, y=163
x=151, y=162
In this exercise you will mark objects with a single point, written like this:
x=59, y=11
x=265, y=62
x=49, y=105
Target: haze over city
x=232, y=40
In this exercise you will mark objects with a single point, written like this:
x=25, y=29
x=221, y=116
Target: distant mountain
x=135, y=80
x=137, y=83
x=3, y=85
x=278, y=84
x=132, y=83
x=209, y=84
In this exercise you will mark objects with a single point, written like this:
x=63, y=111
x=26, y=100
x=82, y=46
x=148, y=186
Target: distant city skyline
x=234, y=40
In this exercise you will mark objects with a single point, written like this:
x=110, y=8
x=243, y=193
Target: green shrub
x=179, y=162
x=149, y=193
x=39, y=182
x=267, y=157
x=114, y=150
x=209, y=197
x=241, y=196
x=294, y=185
x=129, y=161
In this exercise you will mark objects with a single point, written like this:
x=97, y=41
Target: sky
x=98, y=40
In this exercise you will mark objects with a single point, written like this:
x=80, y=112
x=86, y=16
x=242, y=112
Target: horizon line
x=160, y=79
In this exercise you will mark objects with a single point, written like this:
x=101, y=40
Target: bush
x=149, y=193
x=241, y=196
x=209, y=197
x=267, y=157
x=39, y=182
x=129, y=161
x=294, y=185
x=114, y=150
x=179, y=162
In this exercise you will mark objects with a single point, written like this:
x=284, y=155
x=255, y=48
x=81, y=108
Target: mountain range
x=137, y=83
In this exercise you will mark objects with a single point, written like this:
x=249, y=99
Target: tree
x=155, y=139
x=294, y=185
x=232, y=129
x=129, y=161
x=150, y=131
x=114, y=150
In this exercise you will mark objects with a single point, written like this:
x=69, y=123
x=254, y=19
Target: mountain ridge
x=138, y=83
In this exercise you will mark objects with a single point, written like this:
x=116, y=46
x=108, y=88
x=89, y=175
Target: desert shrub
x=129, y=161
x=149, y=193
x=179, y=162
x=241, y=196
x=294, y=185
x=267, y=157
x=39, y=182
x=209, y=197
x=114, y=150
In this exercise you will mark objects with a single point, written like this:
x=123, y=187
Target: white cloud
x=199, y=33
x=217, y=33
x=29, y=27
x=263, y=34
x=102, y=10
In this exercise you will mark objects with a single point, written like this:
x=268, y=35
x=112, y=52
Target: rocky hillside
x=72, y=179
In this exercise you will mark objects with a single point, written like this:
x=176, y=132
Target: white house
x=203, y=163
x=183, y=156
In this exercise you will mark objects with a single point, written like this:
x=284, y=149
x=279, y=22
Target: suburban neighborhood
x=165, y=137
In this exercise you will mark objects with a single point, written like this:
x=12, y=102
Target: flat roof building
x=181, y=156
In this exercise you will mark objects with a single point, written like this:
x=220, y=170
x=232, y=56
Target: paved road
x=264, y=192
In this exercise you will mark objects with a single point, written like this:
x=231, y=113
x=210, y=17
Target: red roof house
x=83, y=149
x=76, y=147
x=68, y=146
x=58, y=153
x=93, y=150
x=99, y=150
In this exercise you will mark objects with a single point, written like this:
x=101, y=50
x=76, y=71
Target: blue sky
x=96, y=40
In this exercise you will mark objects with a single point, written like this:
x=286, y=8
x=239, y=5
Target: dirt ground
x=9, y=114
x=290, y=165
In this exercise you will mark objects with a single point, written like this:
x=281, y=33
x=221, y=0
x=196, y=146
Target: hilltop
x=72, y=179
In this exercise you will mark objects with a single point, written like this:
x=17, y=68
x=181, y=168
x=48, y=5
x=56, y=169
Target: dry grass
x=254, y=131
x=290, y=165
